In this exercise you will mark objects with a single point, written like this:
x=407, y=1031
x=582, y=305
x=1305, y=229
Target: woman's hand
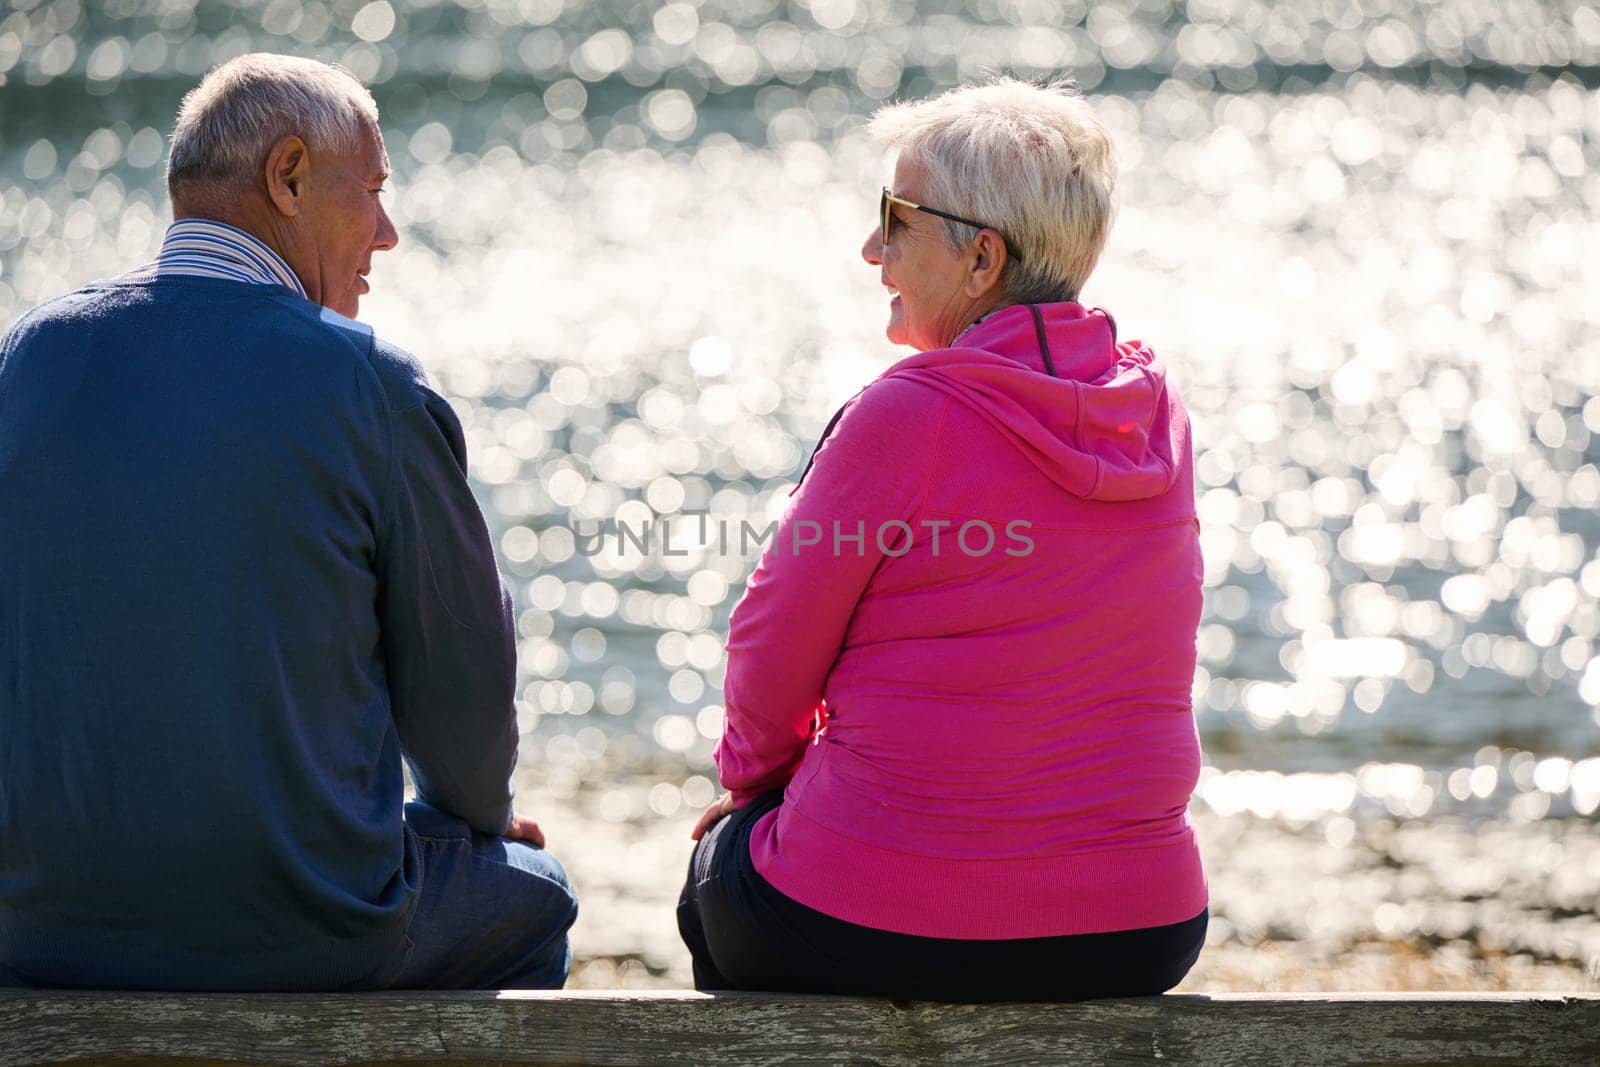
x=719, y=807
x=523, y=828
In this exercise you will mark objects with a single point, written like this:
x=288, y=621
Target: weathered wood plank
x=48, y=1028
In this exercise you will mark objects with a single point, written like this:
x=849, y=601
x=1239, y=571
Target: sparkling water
x=1362, y=238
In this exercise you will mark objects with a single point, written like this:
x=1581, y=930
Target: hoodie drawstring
x=1044, y=345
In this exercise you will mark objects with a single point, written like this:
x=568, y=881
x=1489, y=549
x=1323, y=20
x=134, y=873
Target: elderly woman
x=959, y=742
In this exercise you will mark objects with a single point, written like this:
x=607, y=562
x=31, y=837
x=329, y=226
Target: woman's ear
x=988, y=261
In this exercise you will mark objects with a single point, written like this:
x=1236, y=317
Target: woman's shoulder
x=893, y=399
x=893, y=424
x=890, y=417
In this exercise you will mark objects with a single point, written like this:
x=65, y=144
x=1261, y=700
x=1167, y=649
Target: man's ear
x=986, y=261
x=287, y=165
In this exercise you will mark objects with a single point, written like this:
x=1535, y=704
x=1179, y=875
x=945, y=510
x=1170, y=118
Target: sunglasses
x=886, y=211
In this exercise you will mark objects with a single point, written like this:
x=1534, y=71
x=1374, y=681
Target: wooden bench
x=693, y=1028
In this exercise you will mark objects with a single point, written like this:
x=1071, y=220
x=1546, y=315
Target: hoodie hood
x=1102, y=427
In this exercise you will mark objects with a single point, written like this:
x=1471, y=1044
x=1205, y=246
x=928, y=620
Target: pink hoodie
x=982, y=735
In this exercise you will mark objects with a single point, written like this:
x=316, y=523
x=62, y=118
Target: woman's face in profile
x=925, y=276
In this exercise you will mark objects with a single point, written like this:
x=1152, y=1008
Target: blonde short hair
x=229, y=122
x=1031, y=161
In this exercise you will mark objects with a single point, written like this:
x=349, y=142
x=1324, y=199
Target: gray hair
x=229, y=122
x=1031, y=161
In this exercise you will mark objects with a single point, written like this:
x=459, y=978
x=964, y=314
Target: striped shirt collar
x=205, y=248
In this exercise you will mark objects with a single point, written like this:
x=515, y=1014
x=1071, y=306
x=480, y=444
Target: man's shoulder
x=404, y=381
x=246, y=311
x=86, y=303
x=400, y=375
x=267, y=317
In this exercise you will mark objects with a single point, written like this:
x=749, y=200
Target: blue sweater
x=241, y=573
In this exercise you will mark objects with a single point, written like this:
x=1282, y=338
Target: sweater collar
x=209, y=249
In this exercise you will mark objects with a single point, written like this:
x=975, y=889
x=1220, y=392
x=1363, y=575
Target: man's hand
x=523, y=828
x=719, y=807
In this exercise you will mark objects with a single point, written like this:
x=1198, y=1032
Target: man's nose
x=387, y=236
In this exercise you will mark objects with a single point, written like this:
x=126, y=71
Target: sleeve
x=787, y=631
x=448, y=640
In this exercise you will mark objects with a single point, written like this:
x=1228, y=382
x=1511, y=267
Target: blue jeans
x=491, y=913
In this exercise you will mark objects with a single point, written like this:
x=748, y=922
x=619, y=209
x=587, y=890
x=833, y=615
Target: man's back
x=229, y=529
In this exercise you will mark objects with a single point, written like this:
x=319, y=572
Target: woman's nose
x=872, y=249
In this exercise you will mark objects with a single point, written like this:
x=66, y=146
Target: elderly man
x=242, y=574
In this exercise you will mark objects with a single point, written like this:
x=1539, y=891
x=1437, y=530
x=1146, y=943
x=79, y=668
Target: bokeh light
x=1364, y=239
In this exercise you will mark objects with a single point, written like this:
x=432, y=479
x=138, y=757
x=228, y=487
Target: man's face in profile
x=346, y=221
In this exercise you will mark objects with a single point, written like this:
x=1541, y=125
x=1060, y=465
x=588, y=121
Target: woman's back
x=1006, y=651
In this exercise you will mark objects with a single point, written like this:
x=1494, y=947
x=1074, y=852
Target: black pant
x=744, y=934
